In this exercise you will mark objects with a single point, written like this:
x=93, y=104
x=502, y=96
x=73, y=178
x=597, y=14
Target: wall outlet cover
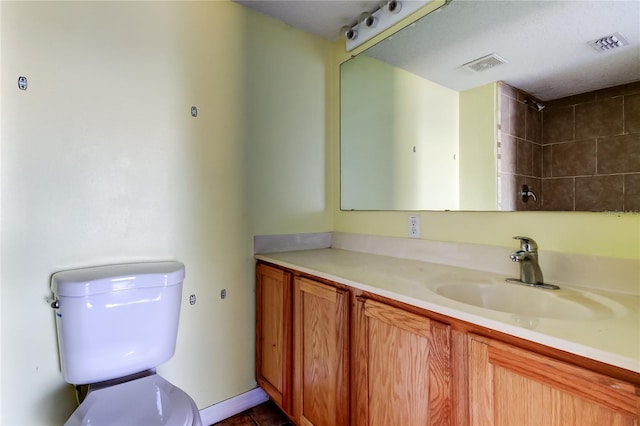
x=414, y=226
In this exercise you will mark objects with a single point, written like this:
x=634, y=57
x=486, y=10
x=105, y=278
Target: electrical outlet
x=414, y=226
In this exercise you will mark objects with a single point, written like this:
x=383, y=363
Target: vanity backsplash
x=611, y=274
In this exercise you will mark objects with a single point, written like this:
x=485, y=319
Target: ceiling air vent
x=484, y=63
x=609, y=42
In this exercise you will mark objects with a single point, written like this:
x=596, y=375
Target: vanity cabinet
x=274, y=333
x=321, y=354
x=513, y=386
x=402, y=372
x=302, y=346
x=329, y=354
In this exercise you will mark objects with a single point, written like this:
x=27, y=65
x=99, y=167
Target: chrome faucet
x=530, y=272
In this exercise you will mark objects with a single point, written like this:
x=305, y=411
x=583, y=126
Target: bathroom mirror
x=497, y=106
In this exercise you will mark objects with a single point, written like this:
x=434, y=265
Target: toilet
x=115, y=325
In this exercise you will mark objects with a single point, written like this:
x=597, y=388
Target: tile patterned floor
x=266, y=414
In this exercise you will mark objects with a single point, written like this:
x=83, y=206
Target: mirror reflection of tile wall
x=519, y=150
x=587, y=149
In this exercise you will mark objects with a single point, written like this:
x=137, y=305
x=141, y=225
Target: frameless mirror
x=497, y=105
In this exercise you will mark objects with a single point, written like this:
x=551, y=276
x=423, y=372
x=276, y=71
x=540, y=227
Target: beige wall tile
x=557, y=194
x=601, y=118
x=573, y=158
x=557, y=125
x=619, y=154
x=599, y=193
x=632, y=113
x=632, y=192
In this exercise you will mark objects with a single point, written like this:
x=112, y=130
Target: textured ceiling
x=323, y=18
x=544, y=42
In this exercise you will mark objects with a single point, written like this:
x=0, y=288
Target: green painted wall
x=478, y=165
x=401, y=139
x=101, y=162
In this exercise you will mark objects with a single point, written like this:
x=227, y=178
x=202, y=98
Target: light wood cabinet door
x=402, y=366
x=273, y=333
x=512, y=386
x=321, y=354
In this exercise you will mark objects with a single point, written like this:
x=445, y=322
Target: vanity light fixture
x=368, y=20
x=370, y=24
x=393, y=7
x=350, y=34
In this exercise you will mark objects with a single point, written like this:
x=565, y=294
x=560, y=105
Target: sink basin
x=524, y=301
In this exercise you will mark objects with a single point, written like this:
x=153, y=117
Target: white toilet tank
x=116, y=320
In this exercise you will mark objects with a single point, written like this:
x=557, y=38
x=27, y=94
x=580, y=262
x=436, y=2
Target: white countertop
x=613, y=338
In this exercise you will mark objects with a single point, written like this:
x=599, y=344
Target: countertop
x=612, y=338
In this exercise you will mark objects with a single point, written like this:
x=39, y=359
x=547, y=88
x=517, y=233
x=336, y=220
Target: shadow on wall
x=57, y=404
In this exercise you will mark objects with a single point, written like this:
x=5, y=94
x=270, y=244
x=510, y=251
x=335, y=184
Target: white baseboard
x=232, y=406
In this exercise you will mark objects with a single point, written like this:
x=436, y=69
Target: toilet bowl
x=150, y=400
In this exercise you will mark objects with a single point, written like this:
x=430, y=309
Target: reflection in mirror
x=386, y=104
x=535, y=124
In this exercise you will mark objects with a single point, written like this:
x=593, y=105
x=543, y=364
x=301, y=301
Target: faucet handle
x=527, y=244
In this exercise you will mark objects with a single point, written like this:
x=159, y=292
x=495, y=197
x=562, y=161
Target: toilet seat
x=150, y=400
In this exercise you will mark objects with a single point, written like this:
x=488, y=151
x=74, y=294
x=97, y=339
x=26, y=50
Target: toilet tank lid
x=103, y=279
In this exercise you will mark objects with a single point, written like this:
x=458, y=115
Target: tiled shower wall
x=519, y=150
x=591, y=151
x=580, y=153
